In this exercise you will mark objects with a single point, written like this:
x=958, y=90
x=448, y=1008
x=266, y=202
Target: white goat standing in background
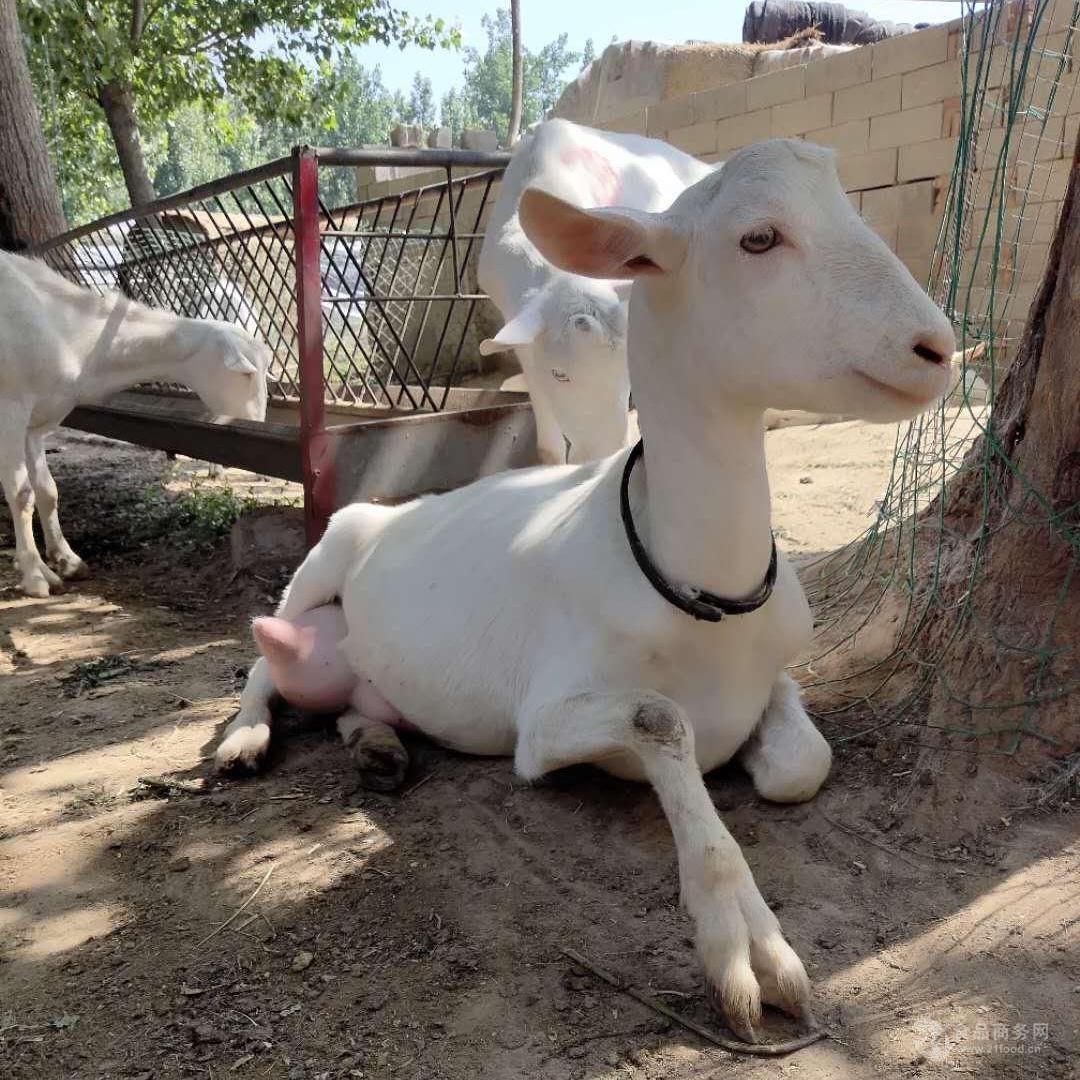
x=62, y=346
x=568, y=331
x=514, y=616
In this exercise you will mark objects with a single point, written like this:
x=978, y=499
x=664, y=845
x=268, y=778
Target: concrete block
x=738, y=131
x=855, y=198
x=952, y=117
x=1071, y=133
x=668, y=116
x=918, y=265
x=867, y=99
x=478, y=139
x=930, y=84
x=764, y=91
x=632, y=123
x=799, y=117
x=838, y=72
x=861, y=171
x=720, y=102
x=916, y=234
x=1037, y=222
x=850, y=138
x=695, y=138
x=909, y=52
x=904, y=128
x=926, y=160
x=441, y=138
x=881, y=207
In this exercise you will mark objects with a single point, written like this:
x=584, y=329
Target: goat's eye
x=758, y=241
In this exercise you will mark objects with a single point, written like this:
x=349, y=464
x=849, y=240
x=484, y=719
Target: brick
x=634, y=123
x=720, y=102
x=905, y=128
x=855, y=198
x=1025, y=146
x=918, y=265
x=861, y=171
x=952, y=117
x=695, y=138
x=788, y=84
x=799, y=117
x=1058, y=15
x=881, y=207
x=739, y=131
x=1037, y=223
x=850, y=138
x=867, y=99
x=669, y=115
x=926, y=159
x=908, y=52
x=1072, y=131
x=838, y=72
x=916, y=234
x=1048, y=182
x=930, y=84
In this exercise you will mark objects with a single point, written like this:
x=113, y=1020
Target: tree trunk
x=118, y=104
x=1015, y=507
x=517, y=75
x=30, y=207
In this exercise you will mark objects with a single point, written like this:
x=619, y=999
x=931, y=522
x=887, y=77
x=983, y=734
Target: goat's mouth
x=901, y=397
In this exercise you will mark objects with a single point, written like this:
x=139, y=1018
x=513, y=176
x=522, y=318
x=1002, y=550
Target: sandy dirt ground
x=291, y=925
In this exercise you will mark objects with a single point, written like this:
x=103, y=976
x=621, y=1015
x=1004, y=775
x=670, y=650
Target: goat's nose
x=930, y=352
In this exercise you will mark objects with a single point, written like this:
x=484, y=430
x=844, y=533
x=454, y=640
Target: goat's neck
x=703, y=483
x=125, y=343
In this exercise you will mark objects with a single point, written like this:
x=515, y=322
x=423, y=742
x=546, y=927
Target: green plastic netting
x=1001, y=207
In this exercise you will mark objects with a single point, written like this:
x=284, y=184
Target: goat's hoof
x=71, y=567
x=244, y=748
x=380, y=761
x=36, y=587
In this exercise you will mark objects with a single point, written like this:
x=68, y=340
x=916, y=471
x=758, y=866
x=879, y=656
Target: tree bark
x=517, y=74
x=30, y=206
x=1016, y=509
x=118, y=104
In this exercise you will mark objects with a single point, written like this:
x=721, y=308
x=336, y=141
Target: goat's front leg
x=35, y=578
x=57, y=550
x=744, y=953
x=787, y=757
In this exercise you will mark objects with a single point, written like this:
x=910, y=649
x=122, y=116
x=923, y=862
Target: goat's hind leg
x=35, y=578
x=380, y=759
x=57, y=550
x=317, y=581
x=745, y=956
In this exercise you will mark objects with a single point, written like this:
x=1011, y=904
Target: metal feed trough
x=369, y=309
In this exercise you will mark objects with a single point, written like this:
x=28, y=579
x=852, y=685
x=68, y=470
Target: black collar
x=696, y=602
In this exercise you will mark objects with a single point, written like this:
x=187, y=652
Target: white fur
x=568, y=331
x=510, y=617
x=62, y=346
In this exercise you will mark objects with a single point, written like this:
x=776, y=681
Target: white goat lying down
x=62, y=346
x=514, y=616
x=569, y=331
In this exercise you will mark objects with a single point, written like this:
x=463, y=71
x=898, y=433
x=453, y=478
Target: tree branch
x=138, y=21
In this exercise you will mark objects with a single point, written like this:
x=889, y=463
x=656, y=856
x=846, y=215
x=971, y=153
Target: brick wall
x=892, y=113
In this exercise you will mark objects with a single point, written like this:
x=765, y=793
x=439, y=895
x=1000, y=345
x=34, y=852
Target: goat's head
x=571, y=324
x=765, y=265
x=228, y=371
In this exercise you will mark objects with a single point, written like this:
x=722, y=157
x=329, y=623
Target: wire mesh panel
x=399, y=291
x=222, y=251
x=397, y=274
x=903, y=621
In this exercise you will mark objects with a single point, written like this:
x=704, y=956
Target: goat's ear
x=523, y=329
x=238, y=362
x=603, y=243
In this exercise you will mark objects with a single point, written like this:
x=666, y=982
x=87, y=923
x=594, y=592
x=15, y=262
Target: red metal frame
x=316, y=458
